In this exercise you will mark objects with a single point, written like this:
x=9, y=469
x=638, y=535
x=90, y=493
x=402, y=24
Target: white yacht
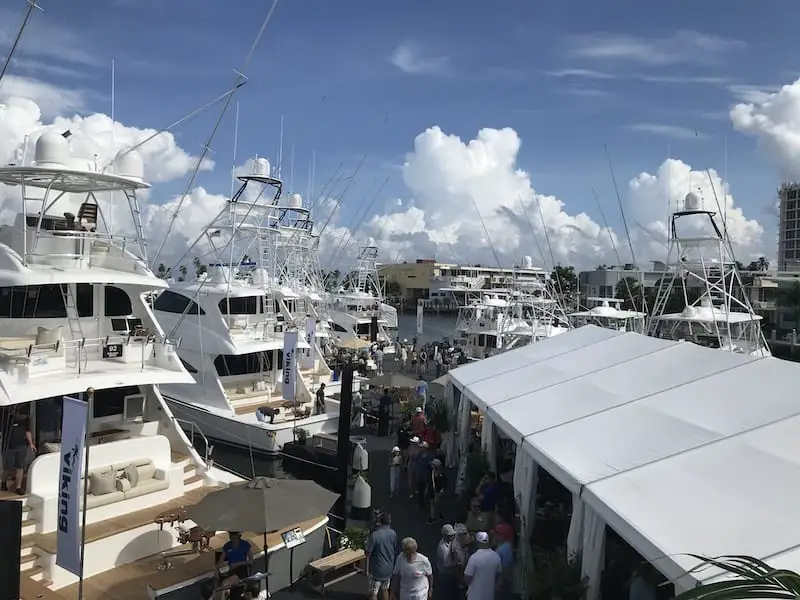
x=74, y=317
x=233, y=320
x=608, y=313
x=701, y=298
x=358, y=308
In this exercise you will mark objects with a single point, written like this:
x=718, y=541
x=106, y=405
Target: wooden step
x=36, y=573
x=28, y=561
x=28, y=527
x=193, y=483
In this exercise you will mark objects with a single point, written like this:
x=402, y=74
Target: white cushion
x=48, y=336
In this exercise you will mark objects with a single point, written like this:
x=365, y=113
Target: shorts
x=378, y=585
x=15, y=458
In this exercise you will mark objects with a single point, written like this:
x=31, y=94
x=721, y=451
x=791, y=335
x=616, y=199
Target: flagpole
x=89, y=401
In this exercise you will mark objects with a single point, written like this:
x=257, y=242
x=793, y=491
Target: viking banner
x=73, y=438
x=419, y=317
x=307, y=358
x=289, y=364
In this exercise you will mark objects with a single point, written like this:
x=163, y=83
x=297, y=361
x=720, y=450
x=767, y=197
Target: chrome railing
x=194, y=429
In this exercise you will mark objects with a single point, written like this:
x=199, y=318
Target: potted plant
x=354, y=538
x=301, y=435
x=556, y=576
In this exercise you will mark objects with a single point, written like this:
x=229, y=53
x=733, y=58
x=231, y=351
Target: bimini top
x=56, y=169
x=706, y=312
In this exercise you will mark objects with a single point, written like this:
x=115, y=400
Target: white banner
x=289, y=364
x=73, y=436
x=307, y=358
x=419, y=317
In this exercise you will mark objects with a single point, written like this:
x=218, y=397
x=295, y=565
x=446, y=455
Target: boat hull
x=234, y=430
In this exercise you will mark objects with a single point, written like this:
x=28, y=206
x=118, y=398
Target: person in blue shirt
x=504, y=538
x=237, y=553
x=487, y=490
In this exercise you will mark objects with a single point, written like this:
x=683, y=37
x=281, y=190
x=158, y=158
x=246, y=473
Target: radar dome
x=527, y=262
x=261, y=167
x=692, y=201
x=129, y=165
x=370, y=242
x=295, y=201
x=52, y=150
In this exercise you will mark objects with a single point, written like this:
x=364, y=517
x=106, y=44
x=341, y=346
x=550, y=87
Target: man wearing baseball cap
x=446, y=565
x=484, y=570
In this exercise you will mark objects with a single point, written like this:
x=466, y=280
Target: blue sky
x=570, y=77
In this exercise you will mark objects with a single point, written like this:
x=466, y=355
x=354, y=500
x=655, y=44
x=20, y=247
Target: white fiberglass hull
x=244, y=431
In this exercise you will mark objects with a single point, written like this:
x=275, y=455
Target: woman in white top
x=413, y=575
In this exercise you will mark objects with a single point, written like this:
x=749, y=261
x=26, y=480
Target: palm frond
x=752, y=579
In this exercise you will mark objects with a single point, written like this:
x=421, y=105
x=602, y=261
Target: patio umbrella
x=262, y=505
x=393, y=380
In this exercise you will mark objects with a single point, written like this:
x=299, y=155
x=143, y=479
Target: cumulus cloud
x=452, y=182
x=774, y=120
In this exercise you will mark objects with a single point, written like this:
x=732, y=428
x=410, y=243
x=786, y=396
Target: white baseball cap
x=482, y=537
x=414, y=440
x=396, y=449
x=418, y=409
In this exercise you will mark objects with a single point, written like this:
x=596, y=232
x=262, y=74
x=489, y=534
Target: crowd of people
x=432, y=358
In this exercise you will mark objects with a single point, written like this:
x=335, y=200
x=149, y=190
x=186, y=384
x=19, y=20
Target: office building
x=789, y=227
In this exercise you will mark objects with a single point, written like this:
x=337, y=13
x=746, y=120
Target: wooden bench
x=326, y=571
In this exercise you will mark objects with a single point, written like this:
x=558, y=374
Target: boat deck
x=131, y=581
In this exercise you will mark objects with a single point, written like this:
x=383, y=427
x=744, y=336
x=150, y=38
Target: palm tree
x=752, y=578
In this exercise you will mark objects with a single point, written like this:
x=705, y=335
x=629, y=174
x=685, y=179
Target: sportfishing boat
x=75, y=323
x=701, y=297
x=358, y=308
x=608, y=313
x=249, y=333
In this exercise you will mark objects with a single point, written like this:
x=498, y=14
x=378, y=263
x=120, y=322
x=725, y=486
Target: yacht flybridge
x=701, y=299
x=607, y=313
x=233, y=320
x=74, y=316
x=356, y=307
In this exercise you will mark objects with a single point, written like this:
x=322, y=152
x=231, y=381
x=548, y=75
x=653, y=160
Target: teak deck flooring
x=109, y=527
x=130, y=581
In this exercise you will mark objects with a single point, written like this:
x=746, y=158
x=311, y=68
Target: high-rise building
x=789, y=227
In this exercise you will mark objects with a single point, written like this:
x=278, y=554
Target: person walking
x=412, y=578
x=414, y=452
x=436, y=490
x=381, y=549
x=395, y=468
x=447, y=565
x=504, y=539
x=19, y=443
x=484, y=570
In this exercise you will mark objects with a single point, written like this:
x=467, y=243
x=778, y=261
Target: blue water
x=434, y=327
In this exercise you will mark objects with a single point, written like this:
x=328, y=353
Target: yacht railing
x=254, y=327
x=194, y=429
x=92, y=247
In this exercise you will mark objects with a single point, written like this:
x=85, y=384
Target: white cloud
x=682, y=47
x=580, y=73
x=676, y=132
x=448, y=177
x=50, y=99
x=774, y=120
x=410, y=58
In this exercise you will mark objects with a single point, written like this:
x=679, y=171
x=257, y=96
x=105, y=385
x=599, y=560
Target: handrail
x=209, y=449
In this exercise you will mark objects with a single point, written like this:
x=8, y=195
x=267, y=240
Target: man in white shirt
x=447, y=565
x=413, y=575
x=484, y=570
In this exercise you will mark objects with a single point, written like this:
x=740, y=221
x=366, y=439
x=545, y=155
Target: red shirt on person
x=418, y=424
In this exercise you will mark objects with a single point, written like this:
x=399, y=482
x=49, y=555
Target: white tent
x=680, y=449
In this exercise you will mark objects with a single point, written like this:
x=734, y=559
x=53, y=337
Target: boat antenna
x=622, y=211
x=280, y=151
x=291, y=170
x=10, y=55
x=348, y=237
x=533, y=233
x=235, y=146
x=549, y=247
x=238, y=79
x=614, y=247
x=486, y=232
x=113, y=128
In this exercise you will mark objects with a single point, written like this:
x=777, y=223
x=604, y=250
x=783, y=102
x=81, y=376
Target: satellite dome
x=692, y=201
x=370, y=242
x=129, y=164
x=527, y=262
x=295, y=201
x=52, y=150
x=261, y=167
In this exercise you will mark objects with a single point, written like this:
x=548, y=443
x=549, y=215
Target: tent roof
x=680, y=449
x=507, y=362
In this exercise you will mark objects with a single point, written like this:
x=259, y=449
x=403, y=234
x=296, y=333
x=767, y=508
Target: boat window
x=362, y=329
x=188, y=367
x=34, y=301
x=84, y=299
x=117, y=302
x=243, y=364
x=111, y=401
x=176, y=303
x=337, y=327
x=239, y=306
